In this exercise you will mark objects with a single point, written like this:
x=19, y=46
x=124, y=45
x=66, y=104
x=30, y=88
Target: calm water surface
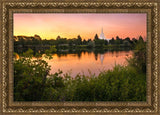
x=86, y=63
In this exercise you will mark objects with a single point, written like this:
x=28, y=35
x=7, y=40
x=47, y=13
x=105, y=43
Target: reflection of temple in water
x=101, y=58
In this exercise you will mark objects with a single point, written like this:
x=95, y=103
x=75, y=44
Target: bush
x=29, y=79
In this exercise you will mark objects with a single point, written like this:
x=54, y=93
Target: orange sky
x=67, y=25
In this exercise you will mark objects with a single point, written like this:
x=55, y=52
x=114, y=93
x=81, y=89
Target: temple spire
x=102, y=29
x=102, y=37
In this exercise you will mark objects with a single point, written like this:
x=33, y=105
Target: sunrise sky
x=50, y=25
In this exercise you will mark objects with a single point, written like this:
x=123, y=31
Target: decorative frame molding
x=8, y=8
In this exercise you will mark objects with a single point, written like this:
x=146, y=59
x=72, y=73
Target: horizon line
x=79, y=35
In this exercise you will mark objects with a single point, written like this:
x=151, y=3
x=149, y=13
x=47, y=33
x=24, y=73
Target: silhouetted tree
x=112, y=41
x=141, y=39
x=96, y=37
x=106, y=42
x=58, y=37
x=118, y=40
x=79, y=40
x=84, y=42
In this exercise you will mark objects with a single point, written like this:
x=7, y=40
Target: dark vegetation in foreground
x=32, y=81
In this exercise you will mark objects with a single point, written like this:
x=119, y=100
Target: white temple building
x=102, y=37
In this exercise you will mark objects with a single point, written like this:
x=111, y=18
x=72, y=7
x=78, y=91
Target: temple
x=102, y=37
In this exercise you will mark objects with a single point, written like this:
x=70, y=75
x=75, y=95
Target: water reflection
x=101, y=58
x=83, y=62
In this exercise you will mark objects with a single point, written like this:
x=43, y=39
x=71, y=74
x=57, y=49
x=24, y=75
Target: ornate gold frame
x=151, y=106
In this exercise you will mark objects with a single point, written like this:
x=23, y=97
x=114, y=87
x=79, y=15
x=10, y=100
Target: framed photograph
x=79, y=57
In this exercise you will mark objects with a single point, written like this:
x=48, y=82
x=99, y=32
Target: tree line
x=37, y=44
x=74, y=41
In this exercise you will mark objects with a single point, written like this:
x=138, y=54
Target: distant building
x=102, y=37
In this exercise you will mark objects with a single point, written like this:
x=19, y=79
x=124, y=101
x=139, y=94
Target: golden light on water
x=82, y=63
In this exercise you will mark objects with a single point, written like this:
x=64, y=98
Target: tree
x=128, y=39
x=118, y=40
x=96, y=37
x=112, y=41
x=70, y=42
x=28, y=53
x=126, y=43
x=58, y=37
x=139, y=57
x=79, y=40
x=141, y=39
x=29, y=79
x=37, y=37
x=89, y=40
x=84, y=42
x=106, y=42
x=91, y=44
x=134, y=40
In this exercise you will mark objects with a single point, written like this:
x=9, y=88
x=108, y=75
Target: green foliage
x=119, y=84
x=28, y=53
x=49, y=52
x=38, y=55
x=29, y=79
x=91, y=44
x=139, y=56
x=123, y=83
x=99, y=42
x=53, y=49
